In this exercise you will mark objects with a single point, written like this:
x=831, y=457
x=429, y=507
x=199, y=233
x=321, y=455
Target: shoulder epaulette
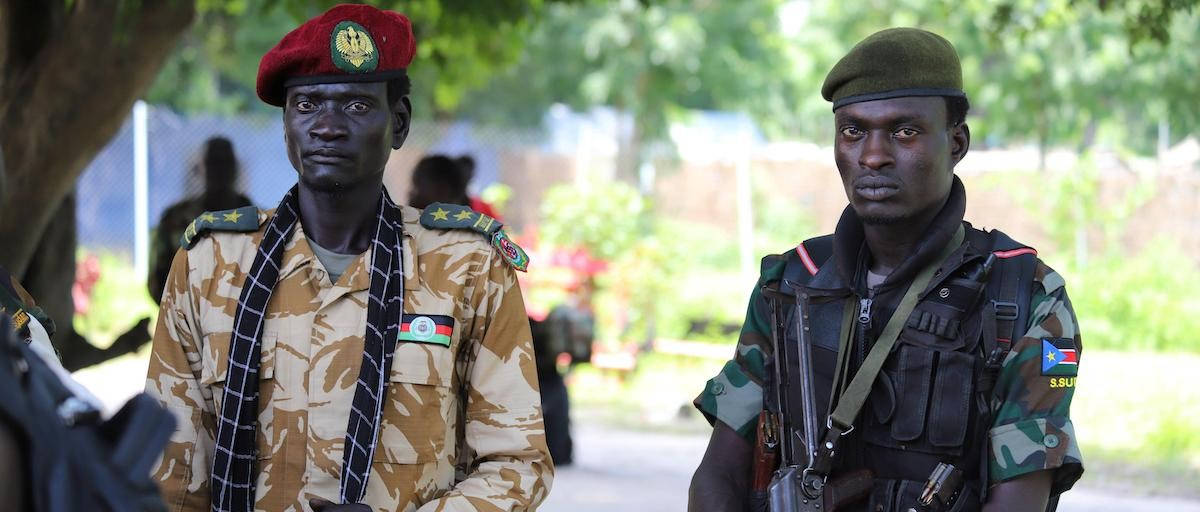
x=242, y=219
x=456, y=216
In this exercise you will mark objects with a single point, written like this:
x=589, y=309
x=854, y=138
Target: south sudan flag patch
x=433, y=329
x=1059, y=357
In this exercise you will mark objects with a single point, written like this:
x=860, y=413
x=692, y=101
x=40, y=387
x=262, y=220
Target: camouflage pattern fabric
x=470, y=409
x=1031, y=430
x=171, y=227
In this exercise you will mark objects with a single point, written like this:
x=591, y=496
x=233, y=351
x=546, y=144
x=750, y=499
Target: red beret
x=349, y=43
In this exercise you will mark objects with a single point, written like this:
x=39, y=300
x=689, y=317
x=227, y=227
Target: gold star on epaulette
x=464, y=215
x=233, y=216
x=440, y=214
x=208, y=217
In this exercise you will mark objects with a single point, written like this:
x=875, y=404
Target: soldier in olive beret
x=941, y=358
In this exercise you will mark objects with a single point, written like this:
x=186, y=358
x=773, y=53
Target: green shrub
x=1147, y=301
x=118, y=300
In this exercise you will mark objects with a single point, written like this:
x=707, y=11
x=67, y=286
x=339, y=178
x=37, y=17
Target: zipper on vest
x=864, y=323
x=864, y=310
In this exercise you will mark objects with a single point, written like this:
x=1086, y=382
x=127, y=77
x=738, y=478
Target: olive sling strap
x=850, y=402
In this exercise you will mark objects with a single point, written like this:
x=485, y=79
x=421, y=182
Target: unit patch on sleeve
x=453, y=216
x=1059, y=357
x=433, y=329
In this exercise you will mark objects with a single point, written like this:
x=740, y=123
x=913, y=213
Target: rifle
x=794, y=487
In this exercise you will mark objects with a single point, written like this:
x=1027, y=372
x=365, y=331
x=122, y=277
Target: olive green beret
x=892, y=63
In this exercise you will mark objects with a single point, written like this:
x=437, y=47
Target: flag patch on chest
x=435, y=329
x=1059, y=357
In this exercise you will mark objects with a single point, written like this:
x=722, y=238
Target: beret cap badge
x=352, y=48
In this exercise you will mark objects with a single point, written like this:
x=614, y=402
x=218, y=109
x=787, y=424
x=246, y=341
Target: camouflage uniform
x=472, y=406
x=1030, y=429
x=175, y=220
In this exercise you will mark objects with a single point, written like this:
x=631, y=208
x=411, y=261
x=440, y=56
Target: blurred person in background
x=437, y=179
x=220, y=168
x=466, y=163
x=970, y=410
x=562, y=339
x=341, y=353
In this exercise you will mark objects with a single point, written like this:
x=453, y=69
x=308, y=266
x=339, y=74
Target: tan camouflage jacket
x=473, y=406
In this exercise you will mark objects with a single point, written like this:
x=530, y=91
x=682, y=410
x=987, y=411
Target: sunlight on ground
x=1136, y=414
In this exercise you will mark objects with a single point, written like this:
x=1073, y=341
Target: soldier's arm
x=723, y=477
x=731, y=401
x=173, y=379
x=1033, y=449
x=503, y=429
x=1030, y=491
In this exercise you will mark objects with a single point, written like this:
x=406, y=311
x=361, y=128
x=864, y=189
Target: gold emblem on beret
x=353, y=44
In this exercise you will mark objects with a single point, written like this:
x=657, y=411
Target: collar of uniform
x=850, y=253
x=299, y=256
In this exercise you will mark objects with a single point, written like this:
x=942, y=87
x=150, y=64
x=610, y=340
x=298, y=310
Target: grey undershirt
x=334, y=263
x=874, y=280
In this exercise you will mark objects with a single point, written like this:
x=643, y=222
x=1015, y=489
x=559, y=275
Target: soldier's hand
x=321, y=505
x=135, y=337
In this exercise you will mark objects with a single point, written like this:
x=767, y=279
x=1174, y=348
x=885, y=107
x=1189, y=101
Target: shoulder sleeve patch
x=242, y=219
x=456, y=216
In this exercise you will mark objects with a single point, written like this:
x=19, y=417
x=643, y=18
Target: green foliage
x=653, y=60
x=702, y=282
x=460, y=45
x=1142, y=301
x=780, y=222
x=1056, y=74
x=603, y=217
x=118, y=300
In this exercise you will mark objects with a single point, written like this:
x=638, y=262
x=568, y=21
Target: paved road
x=625, y=471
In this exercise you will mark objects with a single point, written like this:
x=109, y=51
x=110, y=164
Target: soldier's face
x=340, y=135
x=896, y=156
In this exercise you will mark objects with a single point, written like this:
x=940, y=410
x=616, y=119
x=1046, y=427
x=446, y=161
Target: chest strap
x=841, y=421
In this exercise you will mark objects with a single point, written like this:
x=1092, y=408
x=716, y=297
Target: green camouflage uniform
x=1031, y=430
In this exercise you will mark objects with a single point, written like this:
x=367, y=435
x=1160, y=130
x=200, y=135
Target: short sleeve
x=735, y=395
x=1032, y=430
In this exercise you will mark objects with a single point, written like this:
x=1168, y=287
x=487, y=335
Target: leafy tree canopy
x=460, y=44
x=1054, y=73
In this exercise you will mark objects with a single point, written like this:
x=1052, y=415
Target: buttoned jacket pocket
x=418, y=405
x=214, y=374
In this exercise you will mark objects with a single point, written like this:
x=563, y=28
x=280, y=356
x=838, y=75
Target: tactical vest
x=933, y=400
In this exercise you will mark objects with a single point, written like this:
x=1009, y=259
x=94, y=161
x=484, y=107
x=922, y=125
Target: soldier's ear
x=401, y=121
x=960, y=141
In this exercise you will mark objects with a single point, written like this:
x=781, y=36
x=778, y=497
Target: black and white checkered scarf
x=233, y=472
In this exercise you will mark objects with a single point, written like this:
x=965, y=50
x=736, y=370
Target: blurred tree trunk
x=69, y=73
x=49, y=279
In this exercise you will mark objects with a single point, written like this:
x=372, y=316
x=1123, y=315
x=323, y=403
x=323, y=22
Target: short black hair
x=398, y=88
x=956, y=110
x=442, y=175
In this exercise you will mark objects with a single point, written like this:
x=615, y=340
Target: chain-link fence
x=175, y=144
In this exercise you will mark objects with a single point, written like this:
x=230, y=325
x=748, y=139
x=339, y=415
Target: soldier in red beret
x=342, y=352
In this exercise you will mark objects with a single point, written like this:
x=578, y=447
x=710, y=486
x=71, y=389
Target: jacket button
x=718, y=388
x=1051, y=441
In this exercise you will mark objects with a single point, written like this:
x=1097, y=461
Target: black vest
x=932, y=401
